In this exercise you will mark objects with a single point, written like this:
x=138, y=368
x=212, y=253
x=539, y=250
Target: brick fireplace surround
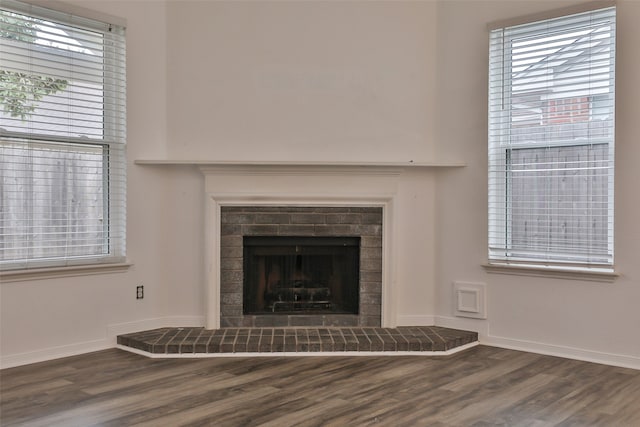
x=240, y=221
x=300, y=187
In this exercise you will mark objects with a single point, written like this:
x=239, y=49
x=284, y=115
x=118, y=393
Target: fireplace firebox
x=301, y=275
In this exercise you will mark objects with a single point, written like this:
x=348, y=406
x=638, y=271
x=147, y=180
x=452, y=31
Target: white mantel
x=300, y=184
x=334, y=164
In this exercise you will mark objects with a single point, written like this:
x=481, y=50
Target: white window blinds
x=62, y=138
x=551, y=141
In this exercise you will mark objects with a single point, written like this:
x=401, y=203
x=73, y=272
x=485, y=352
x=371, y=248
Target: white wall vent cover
x=470, y=300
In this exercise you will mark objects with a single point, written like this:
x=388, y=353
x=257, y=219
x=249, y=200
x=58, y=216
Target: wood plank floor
x=483, y=386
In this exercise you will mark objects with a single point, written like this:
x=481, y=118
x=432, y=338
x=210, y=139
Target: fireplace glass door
x=301, y=275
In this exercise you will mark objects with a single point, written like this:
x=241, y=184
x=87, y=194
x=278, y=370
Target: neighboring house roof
x=565, y=63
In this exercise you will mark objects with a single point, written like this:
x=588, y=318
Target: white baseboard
x=51, y=353
x=416, y=320
x=480, y=326
x=298, y=354
x=484, y=336
x=113, y=331
x=612, y=359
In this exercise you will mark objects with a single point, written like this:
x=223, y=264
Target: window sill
x=58, y=272
x=553, y=272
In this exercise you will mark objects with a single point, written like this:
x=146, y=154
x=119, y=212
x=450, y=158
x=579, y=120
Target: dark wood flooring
x=482, y=386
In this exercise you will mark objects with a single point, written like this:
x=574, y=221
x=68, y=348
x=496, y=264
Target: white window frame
x=501, y=258
x=112, y=143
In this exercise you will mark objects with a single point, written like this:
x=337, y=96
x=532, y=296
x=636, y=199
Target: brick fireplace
x=286, y=199
x=295, y=307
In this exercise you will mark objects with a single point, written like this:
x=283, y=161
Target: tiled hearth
x=354, y=340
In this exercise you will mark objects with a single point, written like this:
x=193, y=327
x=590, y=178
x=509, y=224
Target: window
x=62, y=139
x=551, y=142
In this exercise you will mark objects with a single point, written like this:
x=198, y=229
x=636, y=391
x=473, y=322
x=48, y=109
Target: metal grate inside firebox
x=301, y=275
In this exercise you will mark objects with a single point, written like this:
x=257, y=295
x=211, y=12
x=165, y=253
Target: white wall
x=301, y=80
x=597, y=321
x=41, y=319
x=333, y=81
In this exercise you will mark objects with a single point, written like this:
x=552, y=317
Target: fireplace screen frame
x=301, y=275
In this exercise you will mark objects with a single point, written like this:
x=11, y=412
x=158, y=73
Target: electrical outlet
x=139, y=292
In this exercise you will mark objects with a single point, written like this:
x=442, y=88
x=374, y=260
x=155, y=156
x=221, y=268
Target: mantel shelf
x=410, y=164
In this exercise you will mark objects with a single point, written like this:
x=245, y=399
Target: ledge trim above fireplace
x=280, y=164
